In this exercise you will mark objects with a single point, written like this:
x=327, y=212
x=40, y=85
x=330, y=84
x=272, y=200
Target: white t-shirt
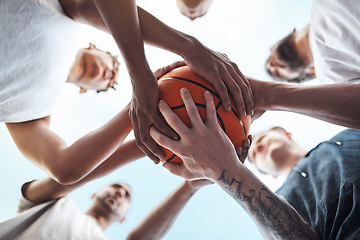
x=335, y=40
x=53, y=220
x=37, y=48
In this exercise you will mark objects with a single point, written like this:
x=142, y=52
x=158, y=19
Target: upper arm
x=83, y=11
x=37, y=142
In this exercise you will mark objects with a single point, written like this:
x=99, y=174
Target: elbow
x=132, y=236
x=65, y=176
x=137, y=235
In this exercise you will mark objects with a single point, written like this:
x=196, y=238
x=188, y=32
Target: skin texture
x=119, y=17
x=215, y=158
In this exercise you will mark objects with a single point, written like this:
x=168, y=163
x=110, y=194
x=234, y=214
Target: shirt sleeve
x=24, y=203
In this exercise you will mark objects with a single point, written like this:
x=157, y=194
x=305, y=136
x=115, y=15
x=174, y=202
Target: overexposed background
x=244, y=30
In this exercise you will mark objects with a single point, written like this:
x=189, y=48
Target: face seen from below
x=270, y=151
x=193, y=8
x=114, y=199
x=279, y=68
x=93, y=69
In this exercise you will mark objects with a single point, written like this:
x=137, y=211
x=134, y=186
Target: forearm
x=46, y=189
x=158, y=34
x=153, y=31
x=88, y=152
x=273, y=215
x=334, y=103
x=69, y=164
x=159, y=221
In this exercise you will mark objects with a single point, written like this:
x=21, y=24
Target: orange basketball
x=236, y=127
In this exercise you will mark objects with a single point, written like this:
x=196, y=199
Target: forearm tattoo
x=272, y=214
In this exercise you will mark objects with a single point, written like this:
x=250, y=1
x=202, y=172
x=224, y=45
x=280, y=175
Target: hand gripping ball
x=235, y=127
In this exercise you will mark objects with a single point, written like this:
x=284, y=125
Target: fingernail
x=207, y=92
x=228, y=108
x=176, y=138
x=161, y=102
x=244, y=113
x=247, y=143
x=252, y=111
x=239, y=150
x=183, y=90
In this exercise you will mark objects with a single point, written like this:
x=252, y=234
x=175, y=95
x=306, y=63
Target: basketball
x=235, y=127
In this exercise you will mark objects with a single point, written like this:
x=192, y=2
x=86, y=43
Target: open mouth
x=107, y=74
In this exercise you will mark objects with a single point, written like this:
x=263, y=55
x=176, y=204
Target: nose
x=259, y=148
x=120, y=192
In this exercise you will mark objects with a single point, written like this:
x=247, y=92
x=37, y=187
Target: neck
x=302, y=45
x=74, y=74
x=296, y=155
x=76, y=70
x=103, y=222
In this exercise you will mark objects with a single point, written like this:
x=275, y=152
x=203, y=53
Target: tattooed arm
x=215, y=158
x=273, y=215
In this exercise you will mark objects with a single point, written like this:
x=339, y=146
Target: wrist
x=190, y=188
x=264, y=94
x=227, y=175
x=190, y=45
x=276, y=95
x=216, y=171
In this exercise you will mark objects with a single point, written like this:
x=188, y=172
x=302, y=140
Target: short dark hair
x=287, y=53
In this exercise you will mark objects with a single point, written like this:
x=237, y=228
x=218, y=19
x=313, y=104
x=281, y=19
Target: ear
x=82, y=90
x=91, y=45
x=288, y=134
x=122, y=220
x=310, y=70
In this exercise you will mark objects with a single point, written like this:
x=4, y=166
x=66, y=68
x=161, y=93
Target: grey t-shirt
x=324, y=187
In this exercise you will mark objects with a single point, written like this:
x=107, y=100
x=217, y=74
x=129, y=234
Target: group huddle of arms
x=210, y=160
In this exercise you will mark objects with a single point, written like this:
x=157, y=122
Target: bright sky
x=244, y=30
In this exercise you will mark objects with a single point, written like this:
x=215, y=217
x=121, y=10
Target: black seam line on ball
x=183, y=105
x=196, y=83
x=221, y=122
x=171, y=158
x=241, y=122
x=203, y=106
x=218, y=105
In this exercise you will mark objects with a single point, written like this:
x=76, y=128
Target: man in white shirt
x=327, y=48
x=46, y=213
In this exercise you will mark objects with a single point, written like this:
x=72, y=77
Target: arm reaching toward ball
x=207, y=152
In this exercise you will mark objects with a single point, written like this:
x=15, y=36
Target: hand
x=204, y=148
x=225, y=76
x=242, y=151
x=164, y=70
x=144, y=113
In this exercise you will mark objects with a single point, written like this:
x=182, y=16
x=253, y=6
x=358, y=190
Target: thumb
x=174, y=168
